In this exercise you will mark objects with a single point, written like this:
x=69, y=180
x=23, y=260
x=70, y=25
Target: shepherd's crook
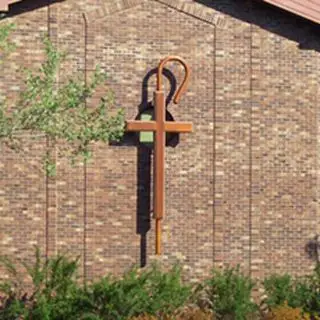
x=160, y=142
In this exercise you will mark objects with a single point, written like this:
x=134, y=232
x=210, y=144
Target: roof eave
x=4, y=4
x=310, y=13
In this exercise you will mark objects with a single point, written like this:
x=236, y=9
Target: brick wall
x=242, y=189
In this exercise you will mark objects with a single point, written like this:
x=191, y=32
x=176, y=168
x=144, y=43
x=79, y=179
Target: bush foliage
x=56, y=295
x=303, y=292
x=284, y=312
x=230, y=294
x=51, y=296
x=53, y=292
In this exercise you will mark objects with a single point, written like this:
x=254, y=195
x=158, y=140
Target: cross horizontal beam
x=141, y=125
x=169, y=126
x=178, y=127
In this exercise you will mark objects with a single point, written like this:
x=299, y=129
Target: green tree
x=5, y=45
x=58, y=112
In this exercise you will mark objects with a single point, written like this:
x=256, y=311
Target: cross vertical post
x=159, y=163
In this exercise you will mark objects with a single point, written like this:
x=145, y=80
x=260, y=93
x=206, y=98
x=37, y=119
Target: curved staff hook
x=185, y=82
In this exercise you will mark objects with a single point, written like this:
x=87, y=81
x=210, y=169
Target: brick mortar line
x=214, y=146
x=250, y=224
x=85, y=165
x=318, y=143
x=51, y=182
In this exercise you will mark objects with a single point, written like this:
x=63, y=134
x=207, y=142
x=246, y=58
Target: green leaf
x=60, y=112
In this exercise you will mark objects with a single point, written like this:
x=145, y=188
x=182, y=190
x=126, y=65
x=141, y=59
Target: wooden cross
x=160, y=126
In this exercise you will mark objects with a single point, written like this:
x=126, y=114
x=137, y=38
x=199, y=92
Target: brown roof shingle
x=309, y=9
x=4, y=4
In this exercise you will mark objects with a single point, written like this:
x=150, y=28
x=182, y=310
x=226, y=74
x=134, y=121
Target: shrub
x=151, y=292
x=52, y=293
x=110, y=298
x=187, y=314
x=166, y=290
x=301, y=293
x=194, y=314
x=55, y=294
x=229, y=292
x=312, y=301
x=287, y=313
x=279, y=289
x=144, y=317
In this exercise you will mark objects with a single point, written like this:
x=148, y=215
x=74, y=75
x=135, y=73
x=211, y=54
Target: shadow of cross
x=160, y=126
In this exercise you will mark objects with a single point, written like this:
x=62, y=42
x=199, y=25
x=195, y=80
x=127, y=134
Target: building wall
x=242, y=189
